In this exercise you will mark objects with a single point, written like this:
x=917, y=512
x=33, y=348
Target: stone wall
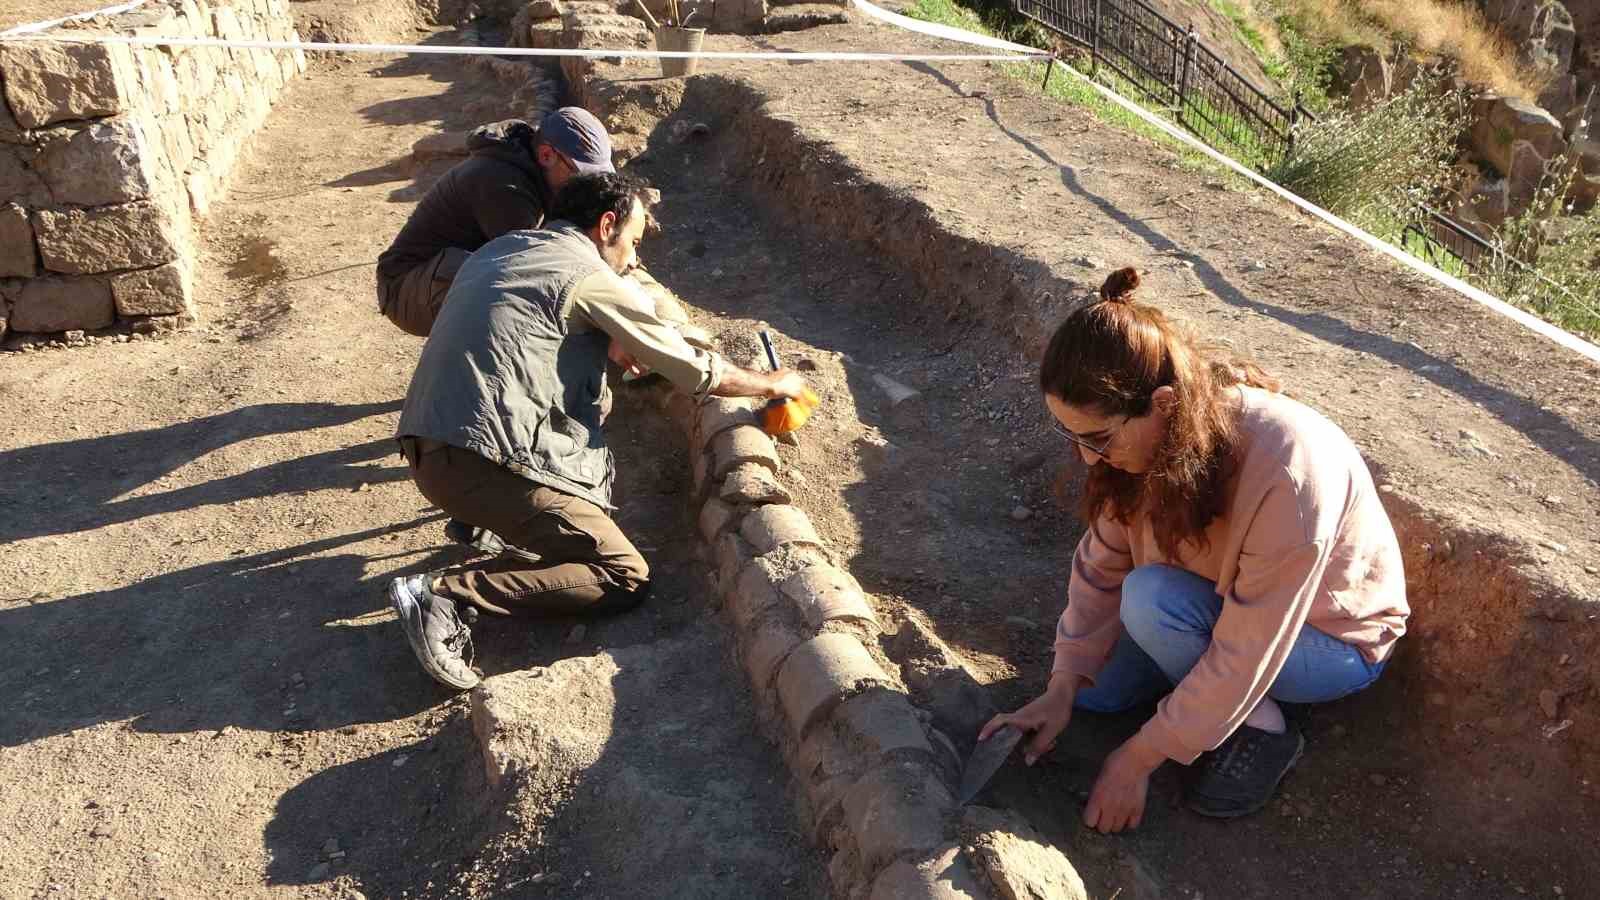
x=108, y=153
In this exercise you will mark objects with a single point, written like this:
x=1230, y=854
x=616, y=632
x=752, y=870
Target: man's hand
x=1046, y=717
x=623, y=358
x=786, y=384
x=1118, y=798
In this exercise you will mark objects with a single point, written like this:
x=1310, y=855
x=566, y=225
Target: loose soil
x=195, y=522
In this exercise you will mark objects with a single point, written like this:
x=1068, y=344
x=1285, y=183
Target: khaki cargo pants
x=584, y=564
x=412, y=300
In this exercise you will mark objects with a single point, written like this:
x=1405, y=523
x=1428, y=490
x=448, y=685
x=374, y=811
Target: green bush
x=1547, y=260
x=1373, y=165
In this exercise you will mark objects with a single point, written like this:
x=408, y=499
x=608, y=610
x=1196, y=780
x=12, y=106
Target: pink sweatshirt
x=1303, y=541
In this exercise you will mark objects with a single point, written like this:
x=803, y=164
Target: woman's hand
x=1046, y=717
x=1118, y=798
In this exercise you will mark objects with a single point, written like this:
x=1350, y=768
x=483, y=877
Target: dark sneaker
x=482, y=540
x=441, y=641
x=1239, y=777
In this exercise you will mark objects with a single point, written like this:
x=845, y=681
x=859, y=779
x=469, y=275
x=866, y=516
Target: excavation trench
x=946, y=508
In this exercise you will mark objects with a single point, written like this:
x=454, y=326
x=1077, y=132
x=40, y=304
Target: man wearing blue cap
x=507, y=183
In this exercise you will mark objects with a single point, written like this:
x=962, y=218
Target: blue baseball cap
x=580, y=137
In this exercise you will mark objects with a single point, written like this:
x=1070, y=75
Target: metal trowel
x=986, y=760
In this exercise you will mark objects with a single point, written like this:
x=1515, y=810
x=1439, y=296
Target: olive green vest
x=502, y=376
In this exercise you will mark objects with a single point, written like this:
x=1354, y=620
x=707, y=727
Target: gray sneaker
x=441, y=641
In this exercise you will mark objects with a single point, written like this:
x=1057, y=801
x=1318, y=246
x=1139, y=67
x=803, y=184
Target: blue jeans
x=1167, y=617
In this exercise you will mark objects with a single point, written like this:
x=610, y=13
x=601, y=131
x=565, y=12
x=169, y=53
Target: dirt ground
x=210, y=689
x=206, y=694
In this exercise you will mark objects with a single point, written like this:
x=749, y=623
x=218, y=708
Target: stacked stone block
x=108, y=152
x=876, y=780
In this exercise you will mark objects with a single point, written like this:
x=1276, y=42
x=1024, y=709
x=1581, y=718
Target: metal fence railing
x=1446, y=243
x=1170, y=66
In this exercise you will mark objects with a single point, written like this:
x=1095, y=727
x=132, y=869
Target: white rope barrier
x=1022, y=54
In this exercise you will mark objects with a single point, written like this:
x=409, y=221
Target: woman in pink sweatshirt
x=1237, y=557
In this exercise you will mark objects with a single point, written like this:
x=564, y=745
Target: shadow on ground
x=102, y=471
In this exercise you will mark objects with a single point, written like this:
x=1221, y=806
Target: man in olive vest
x=502, y=421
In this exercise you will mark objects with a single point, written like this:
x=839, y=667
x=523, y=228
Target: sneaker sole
x=410, y=614
x=1240, y=813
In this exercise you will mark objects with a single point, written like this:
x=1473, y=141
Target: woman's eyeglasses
x=1105, y=445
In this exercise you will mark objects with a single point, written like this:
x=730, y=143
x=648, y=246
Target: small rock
x=1089, y=262
x=1377, y=779
x=898, y=393
x=1385, y=488
x=72, y=337
x=1550, y=702
x=1028, y=462
x=399, y=760
x=319, y=872
x=1553, y=546
x=577, y=633
x=806, y=364
x=101, y=831
x=1553, y=500
x=1258, y=265
x=298, y=678
x=1591, y=570
x=1475, y=443
x=1021, y=622
x=331, y=846
x=224, y=731
x=1021, y=513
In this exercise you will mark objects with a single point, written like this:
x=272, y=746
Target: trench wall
x=109, y=154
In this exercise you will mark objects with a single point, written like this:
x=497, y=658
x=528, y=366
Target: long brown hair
x=1109, y=356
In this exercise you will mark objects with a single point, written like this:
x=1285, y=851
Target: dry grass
x=1449, y=27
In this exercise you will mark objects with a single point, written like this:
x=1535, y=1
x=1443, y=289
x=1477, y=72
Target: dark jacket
x=497, y=188
x=502, y=374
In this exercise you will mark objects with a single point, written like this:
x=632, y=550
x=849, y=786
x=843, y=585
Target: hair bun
x=1120, y=285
